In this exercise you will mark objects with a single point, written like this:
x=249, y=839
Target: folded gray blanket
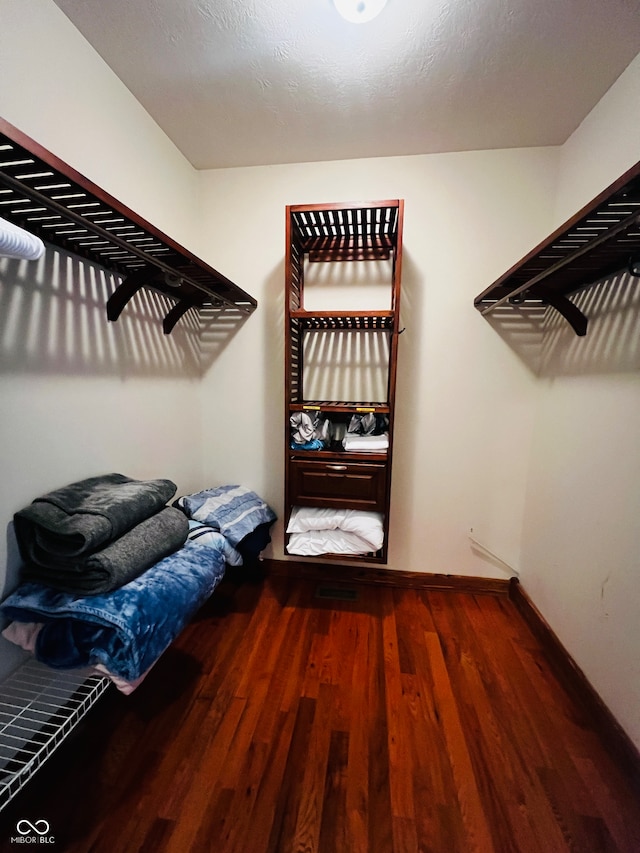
x=120, y=561
x=84, y=516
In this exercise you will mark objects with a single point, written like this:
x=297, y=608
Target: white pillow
x=366, y=525
x=316, y=542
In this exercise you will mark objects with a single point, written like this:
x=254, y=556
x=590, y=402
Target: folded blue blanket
x=125, y=630
x=233, y=510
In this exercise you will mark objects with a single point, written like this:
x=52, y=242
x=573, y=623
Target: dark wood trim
x=349, y=574
x=577, y=685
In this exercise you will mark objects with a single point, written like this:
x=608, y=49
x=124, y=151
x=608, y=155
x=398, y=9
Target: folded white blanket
x=370, y=443
x=15, y=242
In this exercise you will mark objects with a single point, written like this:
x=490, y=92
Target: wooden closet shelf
x=600, y=240
x=363, y=231
x=350, y=249
x=345, y=320
x=47, y=197
x=339, y=406
x=339, y=456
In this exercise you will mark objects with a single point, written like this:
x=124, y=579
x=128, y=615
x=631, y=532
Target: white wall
x=581, y=542
x=465, y=400
x=82, y=396
x=606, y=144
x=57, y=89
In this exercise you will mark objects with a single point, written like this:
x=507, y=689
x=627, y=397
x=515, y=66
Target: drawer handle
x=337, y=467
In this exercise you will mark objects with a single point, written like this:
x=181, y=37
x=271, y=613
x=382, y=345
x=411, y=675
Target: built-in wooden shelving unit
x=328, y=233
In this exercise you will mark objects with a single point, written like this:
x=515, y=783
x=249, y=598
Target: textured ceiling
x=252, y=82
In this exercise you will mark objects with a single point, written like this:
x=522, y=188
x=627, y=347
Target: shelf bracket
x=571, y=313
x=174, y=314
x=125, y=291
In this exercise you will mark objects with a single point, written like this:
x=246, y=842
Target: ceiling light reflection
x=359, y=11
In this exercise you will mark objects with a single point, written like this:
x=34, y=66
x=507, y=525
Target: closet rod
x=91, y=227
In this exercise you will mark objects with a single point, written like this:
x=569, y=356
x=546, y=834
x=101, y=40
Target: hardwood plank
x=400, y=755
x=259, y=824
x=614, y=802
x=517, y=813
x=309, y=818
x=157, y=836
x=203, y=789
x=380, y=831
x=478, y=833
x=432, y=778
x=333, y=825
x=289, y=796
x=404, y=834
x=358, y=759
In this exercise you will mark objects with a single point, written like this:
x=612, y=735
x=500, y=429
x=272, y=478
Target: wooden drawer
x=353, y=485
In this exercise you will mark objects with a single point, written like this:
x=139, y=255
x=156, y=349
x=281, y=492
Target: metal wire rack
x=39, y=707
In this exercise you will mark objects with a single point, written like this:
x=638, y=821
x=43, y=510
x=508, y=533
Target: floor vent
x=341, y=594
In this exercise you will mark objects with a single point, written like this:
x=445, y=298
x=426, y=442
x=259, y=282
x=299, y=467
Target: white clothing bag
x=15, y=242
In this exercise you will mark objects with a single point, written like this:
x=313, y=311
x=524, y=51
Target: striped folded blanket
x=233, y=510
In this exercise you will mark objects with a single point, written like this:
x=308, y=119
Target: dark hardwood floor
x=404, y=720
